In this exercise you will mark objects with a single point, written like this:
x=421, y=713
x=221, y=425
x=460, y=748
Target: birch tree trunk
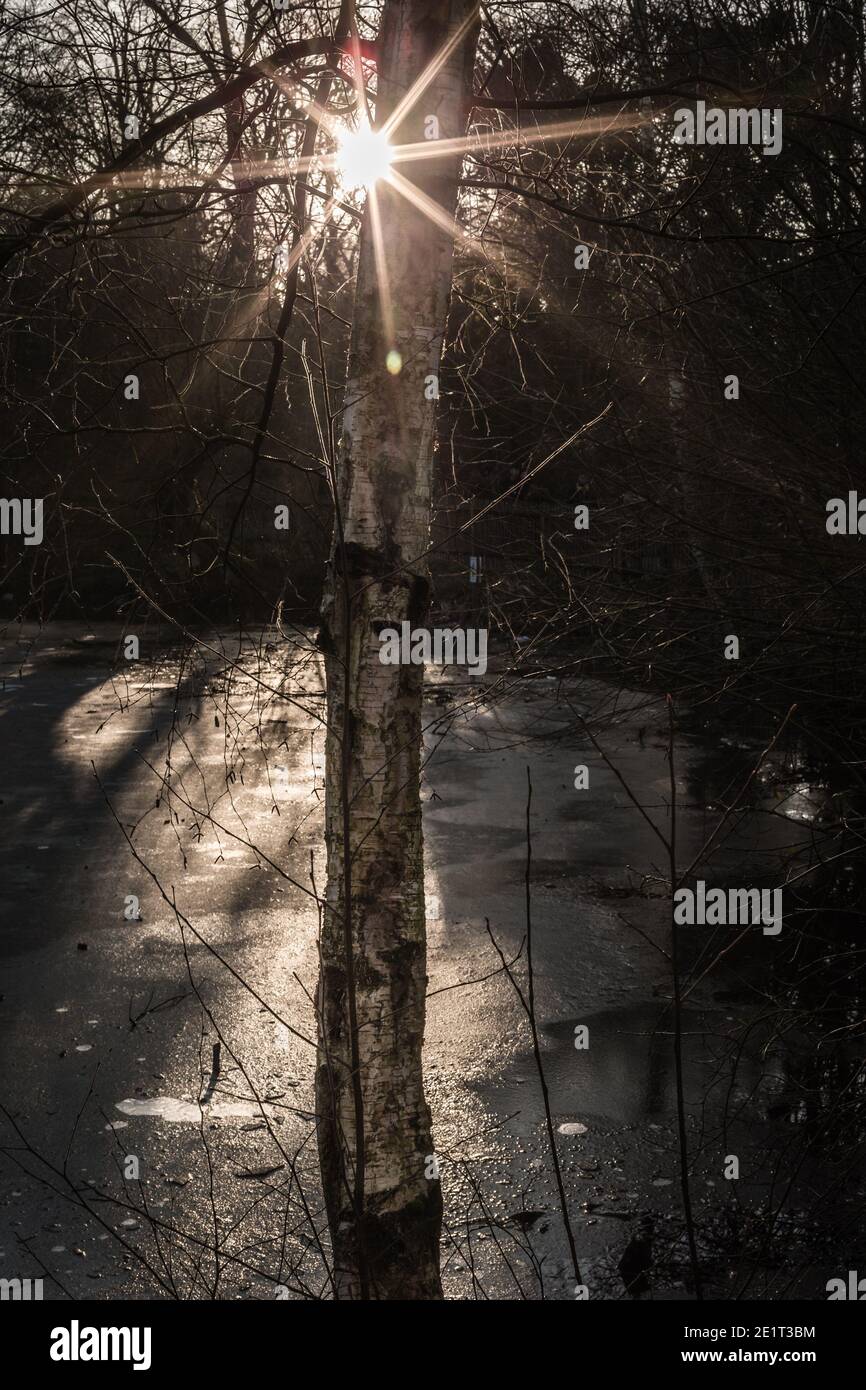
x=380, y=1179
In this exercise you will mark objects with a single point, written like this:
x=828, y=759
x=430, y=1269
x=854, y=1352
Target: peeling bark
x=375, y=1138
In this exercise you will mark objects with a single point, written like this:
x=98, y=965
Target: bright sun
x=363, y=156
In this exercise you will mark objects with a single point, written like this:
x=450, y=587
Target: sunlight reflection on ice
x=187, y=1112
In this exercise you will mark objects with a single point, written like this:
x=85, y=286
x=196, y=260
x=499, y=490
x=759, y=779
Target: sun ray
x=587, y=126
x=312, y=231
x=433, y=68
x=384, y=284
x=449, y=225
x=319, y=113
x=358, y=72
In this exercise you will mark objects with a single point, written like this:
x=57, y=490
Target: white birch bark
x=384, y=1207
